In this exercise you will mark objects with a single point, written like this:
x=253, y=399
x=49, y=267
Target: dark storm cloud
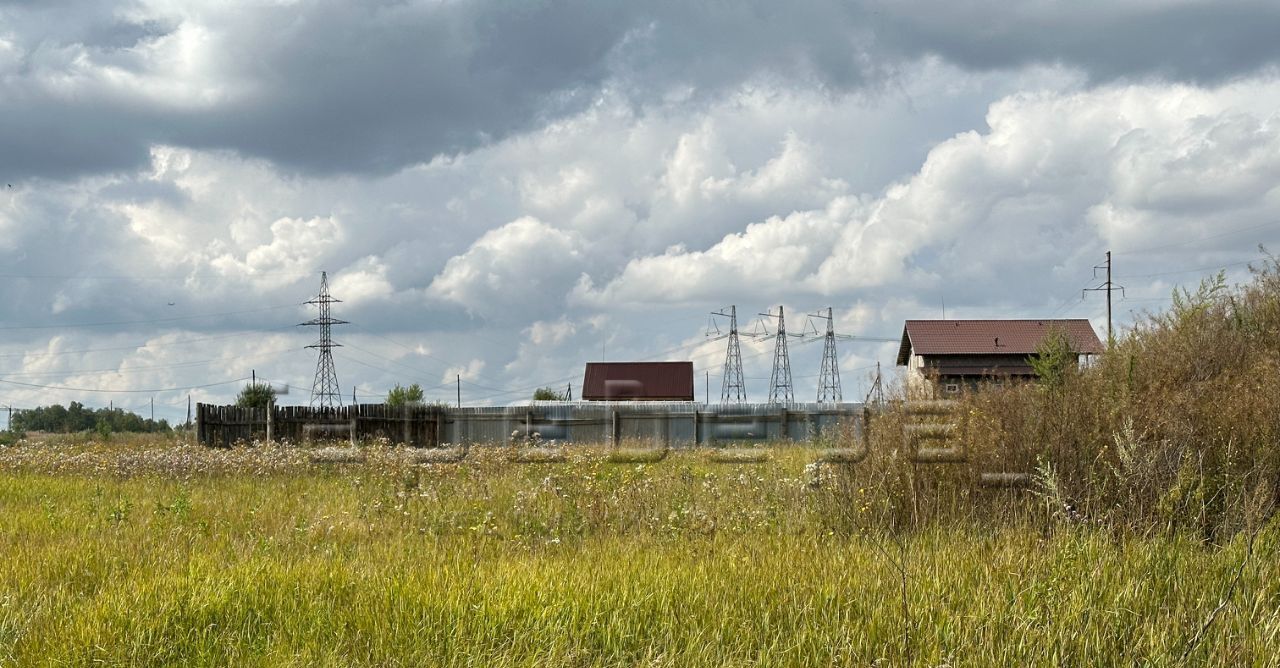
x=331, y=87
x=1200, y=42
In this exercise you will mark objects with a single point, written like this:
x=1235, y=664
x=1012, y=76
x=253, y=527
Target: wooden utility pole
x=459, y=390
x=1107, y=287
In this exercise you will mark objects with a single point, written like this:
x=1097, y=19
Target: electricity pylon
x=324, y=389
x=780, y=389
x=732, y=387
x=829, y=376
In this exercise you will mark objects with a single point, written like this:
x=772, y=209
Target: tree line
x=76, y=417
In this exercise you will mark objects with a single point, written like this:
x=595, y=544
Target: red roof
x=991, y=337
x=654, y=381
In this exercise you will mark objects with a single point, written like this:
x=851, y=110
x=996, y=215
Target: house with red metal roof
x=961, y=353
x=638, y=381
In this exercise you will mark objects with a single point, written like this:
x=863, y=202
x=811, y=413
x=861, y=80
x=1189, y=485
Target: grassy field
x=146, y=552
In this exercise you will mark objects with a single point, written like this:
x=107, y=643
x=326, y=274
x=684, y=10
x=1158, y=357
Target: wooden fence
x=226, y=425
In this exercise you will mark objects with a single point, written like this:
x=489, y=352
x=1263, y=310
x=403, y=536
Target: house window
x=952, y=388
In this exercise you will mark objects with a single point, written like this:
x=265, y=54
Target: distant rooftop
x=991, y=337
x=653, y=381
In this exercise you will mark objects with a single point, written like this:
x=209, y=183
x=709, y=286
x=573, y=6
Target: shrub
x=256, y=395
x=403, y=396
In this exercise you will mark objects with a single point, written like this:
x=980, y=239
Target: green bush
x=402, y=396
x=256, y=395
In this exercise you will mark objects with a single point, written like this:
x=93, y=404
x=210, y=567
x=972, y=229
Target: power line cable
x=176, y=365
x=147, y=391
x=144, y=322
x=348, y=358
x=144, y=277
x=554, y=382
x=1197, y=269
x=1132, y=251
x=446, y=363
x=147, y=345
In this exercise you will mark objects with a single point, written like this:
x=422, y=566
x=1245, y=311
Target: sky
x=503, y=191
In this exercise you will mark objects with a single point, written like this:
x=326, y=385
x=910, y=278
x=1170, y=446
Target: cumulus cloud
x=516, y=266
x=371, y=87
x=510, y=191
x=1114, y=167
x=364, y=281
x=469, y=371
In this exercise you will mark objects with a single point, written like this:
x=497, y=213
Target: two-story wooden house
x=956, y=354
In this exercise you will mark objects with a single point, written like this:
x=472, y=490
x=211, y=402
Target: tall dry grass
x=1175, y=429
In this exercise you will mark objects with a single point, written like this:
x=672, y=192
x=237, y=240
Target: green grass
x=142, y=552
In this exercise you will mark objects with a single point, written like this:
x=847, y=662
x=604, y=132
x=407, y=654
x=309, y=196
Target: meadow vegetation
x=156, y=553
x=1141, y=534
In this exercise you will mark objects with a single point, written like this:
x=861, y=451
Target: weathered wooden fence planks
x=225, y=425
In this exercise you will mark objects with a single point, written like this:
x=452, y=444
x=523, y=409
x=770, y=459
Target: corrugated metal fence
x=668, y=423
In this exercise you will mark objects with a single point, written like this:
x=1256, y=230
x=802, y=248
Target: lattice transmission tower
x=732, y=387
x=780, y=389
x=324, y=389
x=829, y=376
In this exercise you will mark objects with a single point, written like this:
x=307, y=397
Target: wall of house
x=917, y=382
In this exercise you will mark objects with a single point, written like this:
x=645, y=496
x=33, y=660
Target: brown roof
x=991, y=337
x=669, y=381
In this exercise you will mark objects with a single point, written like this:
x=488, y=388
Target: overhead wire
x=72, y=325
x=1195, y=270
x=146, y=391
x=447, y=364
x=148, y=345
x=1131, y=251
x=135, y=369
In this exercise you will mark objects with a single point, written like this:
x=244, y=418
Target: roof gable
x=991, y=337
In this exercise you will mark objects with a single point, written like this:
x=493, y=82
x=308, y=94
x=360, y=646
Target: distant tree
x=546, y=394
x=1054, y=359
x=256, y=395
x=404, y=396
x=77, y=418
